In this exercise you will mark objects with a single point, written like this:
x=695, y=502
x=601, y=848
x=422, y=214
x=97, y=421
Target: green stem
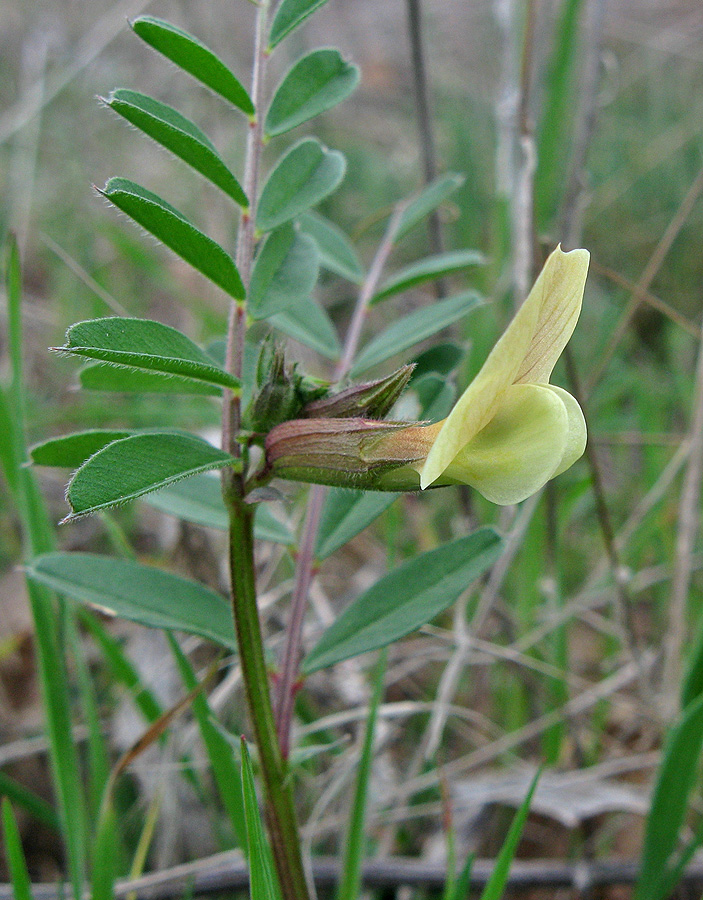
x=280, y=811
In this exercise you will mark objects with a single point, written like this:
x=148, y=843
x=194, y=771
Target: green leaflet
x=170, y=227
x=127, y=468
x=406, y=598
x=144, y=344
x=317, y=82
x=144, y=594
x=336, y=251
x=306, y=174
x=289, y=15
x=285, y=270
x=198, y=499
x=429, y=199
x=306, y=321
x=178, y=134
x=346, y=513
x=189, y=54
x=426, y=270
x=413, y=328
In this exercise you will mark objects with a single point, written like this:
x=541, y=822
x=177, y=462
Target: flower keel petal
x=576, y=439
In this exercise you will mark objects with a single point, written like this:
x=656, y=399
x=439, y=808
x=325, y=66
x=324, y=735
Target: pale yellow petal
x=473, y=410
x=519, y=450
x=576, y=439
x=557, y=294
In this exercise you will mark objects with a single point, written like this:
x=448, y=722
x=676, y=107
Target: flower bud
x=352, y=452
x=372, y=400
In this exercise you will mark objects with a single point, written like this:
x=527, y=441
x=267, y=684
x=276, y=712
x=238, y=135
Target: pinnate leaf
x=427, y=270
x=413, y=328
x=178, y=134
x=336, y=251
x=143, y=594
x=191, y=55
x=406, y=598
x=289, y=15
x=306, y=321
x=133, y=466
x=144, y=344
x=317, y=82
x=306, y=174
x=285, y=270
x=172, y=228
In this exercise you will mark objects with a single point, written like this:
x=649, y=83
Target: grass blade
x=21, y=885
x=496, y=883
x=262, y=884
x=350, y=881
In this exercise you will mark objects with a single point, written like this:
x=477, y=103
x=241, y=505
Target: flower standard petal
x=557, y=293
x=519, y=450
x=526, y=353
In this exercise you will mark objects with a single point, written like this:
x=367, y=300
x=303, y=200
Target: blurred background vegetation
x=546, y=673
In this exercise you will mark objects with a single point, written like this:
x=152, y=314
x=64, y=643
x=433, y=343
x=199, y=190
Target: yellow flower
x=511, y=431
x=508, y=434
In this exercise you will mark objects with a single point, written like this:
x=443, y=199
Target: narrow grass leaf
x=462, y=885
x=71, y=450
x=306, y=321
x=189, y=54
x=170, y=227
x=107, y=377
x=262, y=879
x=17, y=864
x=495, y=886
x=431, y=197
x=406, y=598
x=224, y=767
x=289, y=15
x=337, y=253
x=427, y=270
x=345, y=514
x=350, y=881
x=144, y=594
x=306, y=174
x=413, y=328
x=136, y=465
x=285, y=269
x=178, y=134
x=692, y=685
x=32, y=803
x=317, y=82
x=144, y=344
x=678, y=774
x=198, y=499
x=105, y=849
x=556, y=127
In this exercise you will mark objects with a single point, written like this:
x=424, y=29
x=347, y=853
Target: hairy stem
x=290, y=660
x=280, y=811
